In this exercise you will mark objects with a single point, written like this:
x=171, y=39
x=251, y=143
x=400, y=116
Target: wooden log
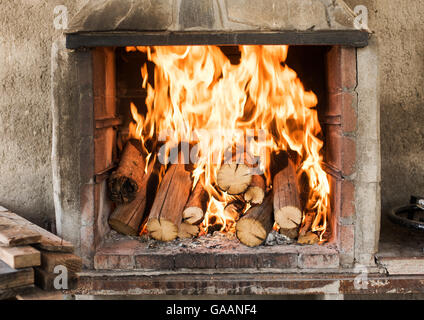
x=49, y=261
x=255, y=193
x=187, y=230
x=20, y=257
x=127, y=218
x=234, y=209
x=234, y=178
x=167, y=209
x=308, y=238
x=306, y=223
x=125, y=182
x=194, y=210
x=49, y=241
x=287, y=209
x=290, y=233
x=254, y=227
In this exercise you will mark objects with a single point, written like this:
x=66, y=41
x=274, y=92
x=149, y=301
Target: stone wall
x=26, y=37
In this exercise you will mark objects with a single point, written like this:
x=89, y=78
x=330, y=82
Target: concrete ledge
x=242, y=283
x=402, y=265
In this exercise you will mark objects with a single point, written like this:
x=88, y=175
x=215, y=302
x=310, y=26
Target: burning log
x=167, y=210
x=125, y=182
x=128, y=217
x=289, y=233
x=234, y=178
x=287, y=209
x=234, y=209
x=187, y=230
x=307, y=223
x=308, y=238
x=254, y=227
x=196, y=206
x=256, y=192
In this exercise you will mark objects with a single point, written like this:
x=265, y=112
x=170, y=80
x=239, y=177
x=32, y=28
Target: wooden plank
x=49, y=260
x=12, y=278
x=49, y=241
x=39, y=294
x=20, y=257
x=14, y=292
x=14, y=233
x=354, y=38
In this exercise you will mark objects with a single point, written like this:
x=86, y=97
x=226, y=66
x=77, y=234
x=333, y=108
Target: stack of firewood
x=29, y=255
x=177, y=209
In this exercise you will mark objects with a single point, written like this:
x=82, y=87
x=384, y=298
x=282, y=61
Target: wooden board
x=49, y=241
x=20, y=257
x=49, y=260
x=39, y=294
x=13, y=278
x=14, y=233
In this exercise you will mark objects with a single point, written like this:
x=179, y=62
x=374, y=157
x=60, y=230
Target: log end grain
x=187, y=231
x=251, y=232
x=193, y=215
x=254, y=194
x=234, y=178
x=162, y=229
x=288, y=217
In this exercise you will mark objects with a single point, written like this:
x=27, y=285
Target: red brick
x=318, y=261
x=276, y=260
x=114, y=262
x=333, y=146
x=349, y=117
x=349, y=156
x=341, y=69
x=347, y=238
x=153, y=261
x=335, y=203
x=194, y=260
x=348, y=199
x=104, y=83
x=236, y=260
x=104, y=143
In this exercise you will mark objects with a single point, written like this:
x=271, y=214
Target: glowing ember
x=198, y=95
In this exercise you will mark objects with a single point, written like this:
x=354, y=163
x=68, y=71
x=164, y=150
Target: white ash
x=217, y=240
x=275, y=238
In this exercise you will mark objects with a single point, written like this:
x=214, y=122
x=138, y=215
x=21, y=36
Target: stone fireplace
x=88, y=99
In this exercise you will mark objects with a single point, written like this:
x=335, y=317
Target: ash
x=275, y=238
x=217, y=240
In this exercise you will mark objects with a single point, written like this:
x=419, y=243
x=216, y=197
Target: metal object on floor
x=410, y=216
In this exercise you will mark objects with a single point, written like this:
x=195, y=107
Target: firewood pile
x=29, y=257
x=174, y=208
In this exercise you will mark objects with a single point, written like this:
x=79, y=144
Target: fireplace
x=98, y=91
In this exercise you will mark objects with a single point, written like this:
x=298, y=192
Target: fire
x=198, y=95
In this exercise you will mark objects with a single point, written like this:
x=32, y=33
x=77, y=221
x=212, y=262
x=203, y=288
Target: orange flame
x=199, y=95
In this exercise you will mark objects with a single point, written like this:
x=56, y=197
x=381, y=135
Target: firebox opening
x=127, y=85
